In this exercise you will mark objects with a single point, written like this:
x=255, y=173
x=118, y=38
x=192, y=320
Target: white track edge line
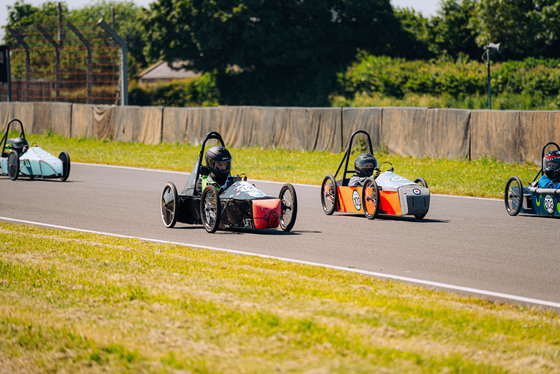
x=334, y=267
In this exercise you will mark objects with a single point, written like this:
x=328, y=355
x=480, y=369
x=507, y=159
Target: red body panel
x=266, y=213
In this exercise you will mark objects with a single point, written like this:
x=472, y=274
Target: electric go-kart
x=389, y=193
x=241, y=205
x=532, y=199
x=18, y=159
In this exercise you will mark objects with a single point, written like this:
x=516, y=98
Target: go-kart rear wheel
x=65, y=158
x=169, y=202
x=513, y=196
x=210, y=209
x=288, y=199
x=421, y=182
x=13, y=165
x=370, y=198
x=329, y=195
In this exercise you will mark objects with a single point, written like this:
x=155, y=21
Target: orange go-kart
x=389, y=193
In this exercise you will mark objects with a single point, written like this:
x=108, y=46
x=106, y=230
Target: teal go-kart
x=532, y=199
x=18, y=159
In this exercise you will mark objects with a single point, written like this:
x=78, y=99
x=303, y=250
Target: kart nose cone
x=266, y=213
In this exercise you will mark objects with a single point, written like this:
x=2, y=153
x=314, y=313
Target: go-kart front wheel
x=210, y=209
x=288, y=199
x=65, y=158
x=13, y=165
x=370, y=198
x=169, y=202
x=513, y=196
x=329, y=195
x=421, y=182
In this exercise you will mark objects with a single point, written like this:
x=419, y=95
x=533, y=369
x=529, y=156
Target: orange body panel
x=390, y=202
x=350, y=201
x=266, y=213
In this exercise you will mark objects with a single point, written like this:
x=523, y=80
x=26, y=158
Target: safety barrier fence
x=510, y=136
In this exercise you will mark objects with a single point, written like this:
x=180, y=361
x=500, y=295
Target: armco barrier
x=138, y=124
x=54, y=117
x=510, y=136
x=174, y=125
x=535, y=130
x=93, y=121
x=21, y=111
x=315, y=129
x=495, y=134
x=403, y=130
x=446, y=133
x=368, y=119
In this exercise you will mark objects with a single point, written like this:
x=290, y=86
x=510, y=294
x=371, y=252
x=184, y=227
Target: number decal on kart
x=357, y=200
x=549, y=204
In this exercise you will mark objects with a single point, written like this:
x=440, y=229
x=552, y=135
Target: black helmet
x=551, y=165
x=218, y=154
x=20, y=145
x=364, y=164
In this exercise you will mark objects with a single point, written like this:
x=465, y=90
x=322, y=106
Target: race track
x=465, y=245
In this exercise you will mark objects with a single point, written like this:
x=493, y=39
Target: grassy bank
x=74, y=302
x=484, y=177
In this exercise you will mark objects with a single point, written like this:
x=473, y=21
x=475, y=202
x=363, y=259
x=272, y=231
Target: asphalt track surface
x=466, y=245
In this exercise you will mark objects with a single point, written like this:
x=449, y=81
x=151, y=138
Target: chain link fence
x=64, y=63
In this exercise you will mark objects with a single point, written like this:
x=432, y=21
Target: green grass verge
x=485, y=177
x=75, y=302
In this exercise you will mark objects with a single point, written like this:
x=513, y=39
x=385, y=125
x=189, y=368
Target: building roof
x=161, y=71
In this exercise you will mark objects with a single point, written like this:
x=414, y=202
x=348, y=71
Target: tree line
x=293, y=52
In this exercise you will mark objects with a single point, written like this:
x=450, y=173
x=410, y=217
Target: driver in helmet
x=20, y=145
x=551, y=171
x=218, y=162
x=365, y=166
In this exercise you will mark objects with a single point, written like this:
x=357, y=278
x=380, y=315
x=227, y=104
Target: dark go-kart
x=18, y=159
x=532, y=199
x=388, y=194
x=241, y=205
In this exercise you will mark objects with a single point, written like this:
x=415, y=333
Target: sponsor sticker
x=357, y=200
x=549, y=204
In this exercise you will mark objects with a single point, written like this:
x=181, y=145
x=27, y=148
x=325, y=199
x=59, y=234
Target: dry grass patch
x=78, y=302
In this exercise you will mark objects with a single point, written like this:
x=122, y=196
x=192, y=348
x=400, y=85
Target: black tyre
x=329, y=195
x=210, y=209
x=288, y=199
x=513, y=196
x=65, y=158
x=13, y=165
x=370, y=198
x=169, y=202
x=421, y=182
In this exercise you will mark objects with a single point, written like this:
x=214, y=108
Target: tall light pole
x=496, y=47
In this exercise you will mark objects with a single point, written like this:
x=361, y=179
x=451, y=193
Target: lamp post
x=496, y=47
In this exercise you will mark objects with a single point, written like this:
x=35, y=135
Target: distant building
x=160, y=72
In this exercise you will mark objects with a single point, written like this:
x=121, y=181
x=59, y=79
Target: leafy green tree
x=452, y=31
x=413, y=41
x=21, y=14
x=274, y=52
x=511, y=22
x=547, y=37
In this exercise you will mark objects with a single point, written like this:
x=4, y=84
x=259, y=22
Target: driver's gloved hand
x=376, y=172
x=229, y=182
